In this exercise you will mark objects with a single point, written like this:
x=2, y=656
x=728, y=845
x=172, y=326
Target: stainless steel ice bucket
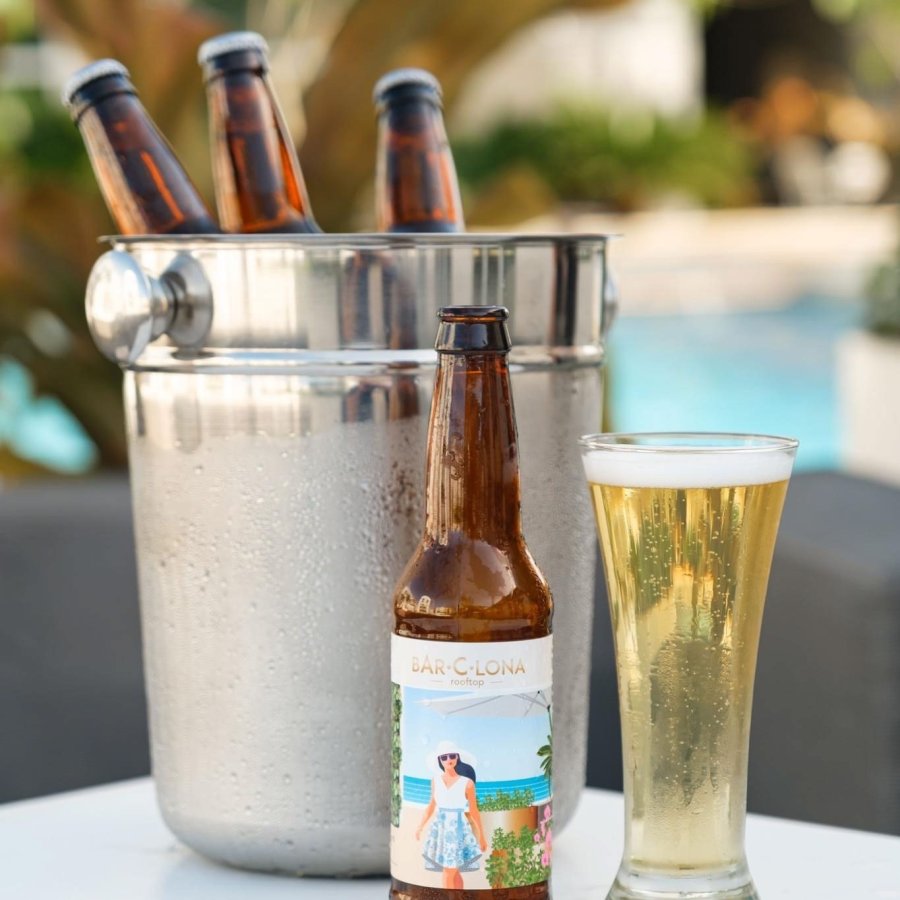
x=277, y=392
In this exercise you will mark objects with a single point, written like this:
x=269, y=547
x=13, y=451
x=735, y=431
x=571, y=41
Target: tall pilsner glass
x=687, y=525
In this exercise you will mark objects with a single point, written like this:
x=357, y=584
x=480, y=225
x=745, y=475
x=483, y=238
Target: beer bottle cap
x=472, y=329
x=473, y=313
x=85, y=75
x=404, y=78
x=232, y=42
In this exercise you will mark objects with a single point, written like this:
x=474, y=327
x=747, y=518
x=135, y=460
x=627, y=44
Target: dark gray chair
x=825, y=740
x=72, y=710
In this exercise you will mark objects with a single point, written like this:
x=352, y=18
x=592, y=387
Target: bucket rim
x=362, y=240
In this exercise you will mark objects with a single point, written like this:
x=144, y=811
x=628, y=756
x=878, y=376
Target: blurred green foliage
x=620, y=160
x=51, y=213
x=50, y=216
x=17, y=20
x=845, y=10
x=37, y=138
x=882, y=307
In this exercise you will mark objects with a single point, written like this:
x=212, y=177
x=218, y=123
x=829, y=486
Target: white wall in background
x=868, y=376
x=646, y=53
x=44, y=65
x=732, y=260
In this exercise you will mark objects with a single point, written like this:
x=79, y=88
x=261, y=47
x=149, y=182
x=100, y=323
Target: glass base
x=734, y=884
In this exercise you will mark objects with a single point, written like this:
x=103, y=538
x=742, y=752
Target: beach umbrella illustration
x=511, y=706
x=508, y=706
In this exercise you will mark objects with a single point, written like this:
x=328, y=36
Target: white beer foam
x=687, y=468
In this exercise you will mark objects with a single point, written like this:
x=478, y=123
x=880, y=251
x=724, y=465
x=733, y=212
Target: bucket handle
x=127, y=309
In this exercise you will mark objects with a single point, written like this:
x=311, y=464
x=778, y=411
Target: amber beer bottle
x=259, y=184
x=471, y=648
x=145, y=188
x=416, y=190
x=415, y=179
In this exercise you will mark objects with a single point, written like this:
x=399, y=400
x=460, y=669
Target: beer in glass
x=687, y=527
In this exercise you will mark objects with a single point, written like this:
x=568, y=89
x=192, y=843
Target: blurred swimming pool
x=769, y=371
x=39, y=428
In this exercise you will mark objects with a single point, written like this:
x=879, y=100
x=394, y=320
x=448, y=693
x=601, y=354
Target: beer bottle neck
x=145, y=188
x=416, y=185
x=472, y=480
x=259, y=184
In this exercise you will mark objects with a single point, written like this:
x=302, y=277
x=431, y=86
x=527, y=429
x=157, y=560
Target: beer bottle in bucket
x=145, y=187
x=471, y=648
x=259, y=184
x=416, y=190
x=415, y=181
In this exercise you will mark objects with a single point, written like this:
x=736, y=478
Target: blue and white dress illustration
x=450, y=842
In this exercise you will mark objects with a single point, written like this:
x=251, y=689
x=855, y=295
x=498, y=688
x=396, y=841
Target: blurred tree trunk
x=49, y=221
x=13, y=469
x=447, y=38
x=158, y=42
x=45, y=267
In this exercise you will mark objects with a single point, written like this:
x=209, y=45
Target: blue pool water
x=40, y=428
x=770, y=372
x=418, y=790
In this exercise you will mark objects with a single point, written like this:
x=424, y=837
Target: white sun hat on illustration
x=445, y=747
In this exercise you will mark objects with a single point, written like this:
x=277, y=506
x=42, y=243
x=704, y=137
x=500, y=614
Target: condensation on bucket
x=271, y=533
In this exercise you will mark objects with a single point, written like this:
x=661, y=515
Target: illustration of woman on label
x=455, y=841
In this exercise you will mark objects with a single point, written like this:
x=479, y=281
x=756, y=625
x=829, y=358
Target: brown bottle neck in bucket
x=416, y=187
x=259, y=183
x=144, y=185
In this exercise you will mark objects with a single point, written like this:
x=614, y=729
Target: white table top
x=109, y=843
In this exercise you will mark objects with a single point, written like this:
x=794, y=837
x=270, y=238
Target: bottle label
x=471, y=762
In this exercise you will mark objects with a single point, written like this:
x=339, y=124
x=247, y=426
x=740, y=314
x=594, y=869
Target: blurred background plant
x=659, y=104
x=590, y=155
x=883, y=300
x=60, y=403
